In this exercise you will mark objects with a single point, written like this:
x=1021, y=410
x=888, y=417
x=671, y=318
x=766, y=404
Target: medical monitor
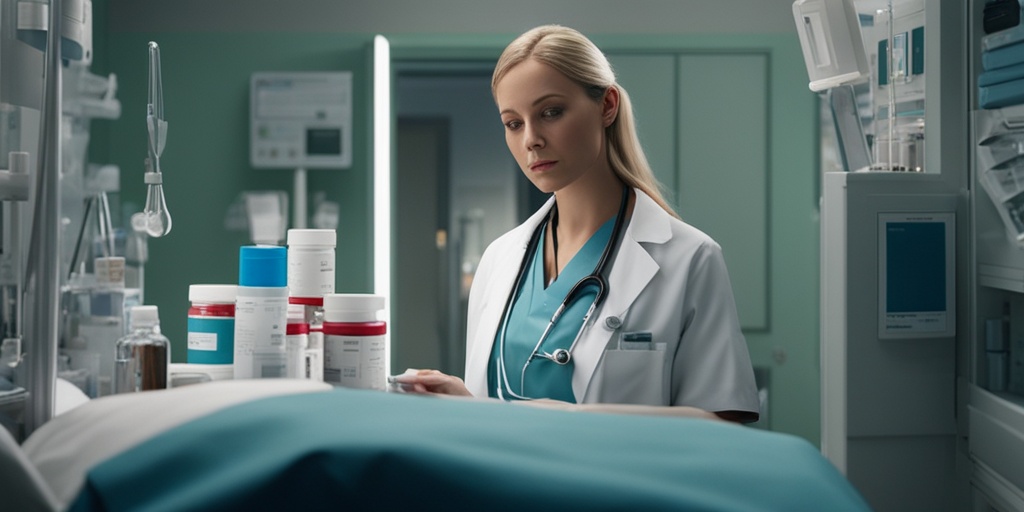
x=916, y=275
x=301, y=120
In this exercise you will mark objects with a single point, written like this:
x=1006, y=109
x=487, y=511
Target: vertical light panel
x=382, y=181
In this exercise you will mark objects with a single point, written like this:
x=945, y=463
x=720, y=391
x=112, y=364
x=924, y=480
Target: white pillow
x=68, y=396
x=66, y=447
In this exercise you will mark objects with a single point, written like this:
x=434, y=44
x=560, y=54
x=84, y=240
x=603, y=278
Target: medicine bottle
x=143, y=356
x=211, y=323
x=310, y=265
x=261, y=312
x=355, y=346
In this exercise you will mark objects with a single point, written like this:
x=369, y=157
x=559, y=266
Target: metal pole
x=891, y=80
x=43, y=272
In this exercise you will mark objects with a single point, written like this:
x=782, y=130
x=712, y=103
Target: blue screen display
x=915, y=267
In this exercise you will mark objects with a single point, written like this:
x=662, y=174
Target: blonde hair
x=579, y=59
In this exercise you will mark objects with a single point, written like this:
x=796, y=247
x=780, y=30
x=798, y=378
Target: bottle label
x=295, y=367
x=211, y=340
x=354, y=361
x=315, y=356
x=315, y=364
x=260, y=326
x=261, y=365
x=311, y=273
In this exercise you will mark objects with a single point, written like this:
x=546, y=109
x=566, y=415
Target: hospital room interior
x=203, y=202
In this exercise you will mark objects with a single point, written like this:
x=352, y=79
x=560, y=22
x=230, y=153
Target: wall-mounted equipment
x=916, y=278
x=301, y=120
x=830, y=36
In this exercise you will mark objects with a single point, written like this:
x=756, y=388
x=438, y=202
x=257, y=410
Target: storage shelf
x=997, y=433
x=1003, y=278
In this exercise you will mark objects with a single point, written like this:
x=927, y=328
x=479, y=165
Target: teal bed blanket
x=366, y=450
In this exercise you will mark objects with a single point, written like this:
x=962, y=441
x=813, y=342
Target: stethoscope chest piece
x=561, y=356
x=612, y=323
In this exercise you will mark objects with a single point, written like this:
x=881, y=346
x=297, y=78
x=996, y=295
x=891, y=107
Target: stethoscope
x=595, y=280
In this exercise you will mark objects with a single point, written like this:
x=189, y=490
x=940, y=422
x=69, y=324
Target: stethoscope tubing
x=596, y=279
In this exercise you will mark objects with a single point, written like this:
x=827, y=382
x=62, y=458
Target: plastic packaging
x=354, y=341
x=211, y=323
x=261, y=312
x=143, y=356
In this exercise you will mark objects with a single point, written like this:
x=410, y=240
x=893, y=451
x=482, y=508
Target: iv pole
x=42, y=272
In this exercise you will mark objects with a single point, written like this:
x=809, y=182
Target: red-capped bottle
x=355, y=342
x=211, y=323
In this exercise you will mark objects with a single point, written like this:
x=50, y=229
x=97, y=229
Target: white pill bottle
x=354, y=341
x=311, y=265
x=261, y=312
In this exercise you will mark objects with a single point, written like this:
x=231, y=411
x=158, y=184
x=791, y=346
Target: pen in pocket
x=636, y=341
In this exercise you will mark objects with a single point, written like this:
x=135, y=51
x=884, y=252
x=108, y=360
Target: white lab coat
x=667, y=279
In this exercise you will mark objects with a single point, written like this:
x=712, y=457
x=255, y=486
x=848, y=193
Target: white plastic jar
x=311, y=264
x=211, y=323
x=355, y=345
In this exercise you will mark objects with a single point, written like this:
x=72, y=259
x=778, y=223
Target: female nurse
x=648, y=321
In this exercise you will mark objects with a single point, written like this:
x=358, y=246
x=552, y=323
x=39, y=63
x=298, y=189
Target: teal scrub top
x=530, y=313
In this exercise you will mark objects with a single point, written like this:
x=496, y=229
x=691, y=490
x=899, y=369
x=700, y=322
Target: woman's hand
x=431, y=382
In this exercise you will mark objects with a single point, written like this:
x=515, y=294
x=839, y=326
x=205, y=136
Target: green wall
x=206, y=159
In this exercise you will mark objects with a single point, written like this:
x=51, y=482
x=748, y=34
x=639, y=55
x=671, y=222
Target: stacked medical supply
x=94, y=328
x=311, y=263
x=354, y=341
x=143, y=356
x=998, y=135
x=1001, y=82
x=261, y=311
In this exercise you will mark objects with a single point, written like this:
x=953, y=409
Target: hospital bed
x=301, y=445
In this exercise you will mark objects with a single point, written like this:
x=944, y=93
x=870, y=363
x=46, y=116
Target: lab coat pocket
x=634, y=376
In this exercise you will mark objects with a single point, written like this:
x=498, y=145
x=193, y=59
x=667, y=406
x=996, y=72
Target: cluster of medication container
x=283, y=319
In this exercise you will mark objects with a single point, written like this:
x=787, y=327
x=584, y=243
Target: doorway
x=456, y=188
x=420, y=259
